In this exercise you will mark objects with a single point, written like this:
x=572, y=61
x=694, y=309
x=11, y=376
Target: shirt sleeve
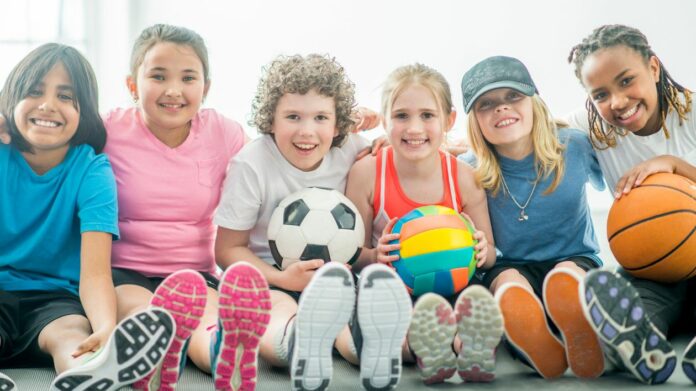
x=97, y=201
x=234, y=136
x=578, y=120
x=589, y=155
x=241, y=197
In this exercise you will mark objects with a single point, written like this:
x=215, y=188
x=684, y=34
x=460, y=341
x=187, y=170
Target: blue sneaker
x=6, y=384
x=616, y=312
x=134, y=349
x=689, y=361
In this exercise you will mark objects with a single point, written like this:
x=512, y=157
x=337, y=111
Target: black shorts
x=131, y=277
x=535, y=272
x=23, y=315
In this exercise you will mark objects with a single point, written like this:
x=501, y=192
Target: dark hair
x=30, y=72
x=167, y=33
x=667, y=89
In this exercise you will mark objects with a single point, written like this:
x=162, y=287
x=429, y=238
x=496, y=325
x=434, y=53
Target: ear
x=132, y=87
x=205, y=89
x=450, y=121
x=654, y=66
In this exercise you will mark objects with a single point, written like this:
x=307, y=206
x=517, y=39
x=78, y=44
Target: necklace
x=522, y=217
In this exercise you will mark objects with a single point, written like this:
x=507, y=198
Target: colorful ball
x=437, y=251
x=652, y=229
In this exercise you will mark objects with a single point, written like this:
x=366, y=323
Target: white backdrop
x=370, y=38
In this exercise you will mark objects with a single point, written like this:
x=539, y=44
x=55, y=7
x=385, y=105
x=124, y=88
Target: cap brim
x=523, y=88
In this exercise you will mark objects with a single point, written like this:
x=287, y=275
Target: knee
x=64, y=333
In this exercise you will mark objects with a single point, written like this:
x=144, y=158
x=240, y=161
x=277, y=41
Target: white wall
x=370, y=38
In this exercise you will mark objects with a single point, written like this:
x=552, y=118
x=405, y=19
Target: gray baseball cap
x=495, y=72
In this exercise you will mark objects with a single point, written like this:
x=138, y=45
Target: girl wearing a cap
x=534, y=172
x=640, y=122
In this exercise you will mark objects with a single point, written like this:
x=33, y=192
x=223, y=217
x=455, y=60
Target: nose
x=618, y=101
x=501, y=107
x=173, y=90
x=48, y=104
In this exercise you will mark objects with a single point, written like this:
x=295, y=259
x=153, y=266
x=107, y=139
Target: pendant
x=523, y=216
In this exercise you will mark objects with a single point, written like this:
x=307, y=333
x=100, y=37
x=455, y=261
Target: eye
x=34, y=93
x=293, y=117
x=157, y=77
x=626, y=81
x=321, y=117
x=428, y=115
x=599, y=96
x=484, y=105
x=189, y=78
x=401, y=116
x=513, y=96
x=65, y=97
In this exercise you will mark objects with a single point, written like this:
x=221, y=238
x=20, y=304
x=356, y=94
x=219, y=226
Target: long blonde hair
x=418, y=74
x=548, y=151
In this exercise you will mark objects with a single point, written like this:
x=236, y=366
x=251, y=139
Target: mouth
x=506, y=122
x=171, y=106
x=414, y=142
x=629, y=115
x=45, y=123
x=305, y=148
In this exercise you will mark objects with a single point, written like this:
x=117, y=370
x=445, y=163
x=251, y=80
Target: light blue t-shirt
x=42, y=217
x=559, y=224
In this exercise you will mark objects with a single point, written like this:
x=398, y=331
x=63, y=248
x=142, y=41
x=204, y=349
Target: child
x=58, y=301
x=413, y=172
x=534, y=173
x=640, y=122
x=303, y=109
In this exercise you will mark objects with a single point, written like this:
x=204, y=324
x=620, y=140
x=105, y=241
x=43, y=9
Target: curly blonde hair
x=298, y=75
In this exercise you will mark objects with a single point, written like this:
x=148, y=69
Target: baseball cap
x=492, y=73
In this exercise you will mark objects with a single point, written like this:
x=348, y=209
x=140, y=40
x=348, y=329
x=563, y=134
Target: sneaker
x=183, y=294
x=325, y=307
x=616, y=312
x=479, y=327
x=562, y=297
x=688, y=361
x=136, y=346
x=6, y=384
x=244, y=306
x=527, y=331
x=383, y=315
x=430, y=338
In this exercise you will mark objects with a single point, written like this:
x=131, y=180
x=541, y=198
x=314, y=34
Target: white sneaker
x=136, y=346
x=6, y=384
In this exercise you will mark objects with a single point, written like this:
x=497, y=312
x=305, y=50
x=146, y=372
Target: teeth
x=506, y=122
x=45, y=123
x=305, y=146
x=170, y=106
x=629, y=113
x=415, y=142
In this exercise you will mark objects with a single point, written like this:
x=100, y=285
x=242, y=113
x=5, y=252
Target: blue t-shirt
x=42, y=217
x=559, y=224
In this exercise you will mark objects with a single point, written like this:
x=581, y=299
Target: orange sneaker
x=562, y=299
x=528, y=332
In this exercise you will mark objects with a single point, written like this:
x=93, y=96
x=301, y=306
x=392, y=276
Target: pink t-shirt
x=167, y=196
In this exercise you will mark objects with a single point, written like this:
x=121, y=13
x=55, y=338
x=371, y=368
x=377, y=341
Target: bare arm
x=475, y=206
x=359, y=189
x=97, y=292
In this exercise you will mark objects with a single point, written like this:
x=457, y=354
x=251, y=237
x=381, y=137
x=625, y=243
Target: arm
x=232, y=246
x=475, y=206
x=97, y=292
x=359, y=189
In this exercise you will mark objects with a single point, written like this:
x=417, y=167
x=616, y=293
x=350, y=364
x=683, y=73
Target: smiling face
x=505, y=117
x=47, y=118
x=621, y=86
x=416, y=122
x=304, y=127
x=170, y=86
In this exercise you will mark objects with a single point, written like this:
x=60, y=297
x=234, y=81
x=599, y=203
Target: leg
x=131, y=299
x=509, y=276
x=199, y=346
x=60, y=338
x=275, y=342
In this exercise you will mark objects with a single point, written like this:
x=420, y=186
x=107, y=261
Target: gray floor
x=509, y=374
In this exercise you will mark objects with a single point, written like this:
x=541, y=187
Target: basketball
x=437, y=251
x=651, y=229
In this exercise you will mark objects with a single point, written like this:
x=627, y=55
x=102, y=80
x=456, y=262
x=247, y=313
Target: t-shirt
x=167, y=196
x=631, y=150
x=559, y=224
x=259, y=177
x=42, y=217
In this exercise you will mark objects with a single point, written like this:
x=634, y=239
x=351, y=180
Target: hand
x=297, y=276
x=94, y=342
x=636, y=175
x=457, y=147
x=481, y=247
x=4, y=132
x=383, y=246
x=377, y=145
x=365, y=119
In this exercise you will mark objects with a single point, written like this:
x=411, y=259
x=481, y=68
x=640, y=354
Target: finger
x=480, y=263
x=641, y=177
x=387, y=258
x=86, y=346
x=618, y=190
x=4, y=138
x=386, y=239
x=389, y=248
x=311, y=264
x=390, y=225
x=363, y=153
x=630, y=183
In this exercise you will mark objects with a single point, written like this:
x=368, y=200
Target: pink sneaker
x=183, y=294
x=245, y=303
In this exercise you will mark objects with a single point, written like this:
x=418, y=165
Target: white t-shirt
x=631, y=150
x=259, y=177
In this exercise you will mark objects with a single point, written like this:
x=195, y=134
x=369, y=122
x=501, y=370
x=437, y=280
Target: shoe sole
x=527, y=331
x=616, y=312
x=136, y=346
x=562, y=297
x=430, y=337
x=244, y=307
x=384, y=314
x=184, y=295
x=6, y=384
x=689, y=361
x=324, y=309
x=480, y=328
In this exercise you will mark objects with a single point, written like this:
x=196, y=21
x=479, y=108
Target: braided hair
x=603, y=135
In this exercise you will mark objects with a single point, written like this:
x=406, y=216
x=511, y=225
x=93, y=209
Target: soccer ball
x=315, y=223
